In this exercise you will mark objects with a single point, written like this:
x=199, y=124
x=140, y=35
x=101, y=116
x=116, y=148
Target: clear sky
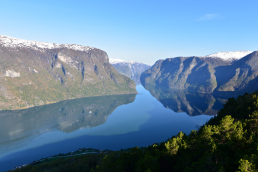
x=140, y=30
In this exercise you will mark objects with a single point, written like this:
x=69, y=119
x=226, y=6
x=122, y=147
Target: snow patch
x=12, y=74
x=67, y=60
x=115, y=61
x=14, y=43
x=58, y=65
x=230, y=56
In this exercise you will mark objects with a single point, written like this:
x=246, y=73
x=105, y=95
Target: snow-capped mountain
x=212, y=74
x=47, y=72
x=230, y=56
x=131, y=69
x=125, y=62
x=13, y=43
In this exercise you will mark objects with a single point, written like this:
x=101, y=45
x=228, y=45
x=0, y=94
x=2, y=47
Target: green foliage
x=246, y=166
x=175, y=143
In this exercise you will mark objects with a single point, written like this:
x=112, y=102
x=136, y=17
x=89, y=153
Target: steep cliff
x=241, y=76
x=35, y=73
x=190, y=73
x=220, y=73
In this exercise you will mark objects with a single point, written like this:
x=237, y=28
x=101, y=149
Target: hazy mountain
x=35, y=73
x=220, y=72
x=131, y=69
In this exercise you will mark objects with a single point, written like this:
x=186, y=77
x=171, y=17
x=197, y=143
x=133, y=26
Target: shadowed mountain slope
x=190, y=73
x=240, y=76
x=205, y=74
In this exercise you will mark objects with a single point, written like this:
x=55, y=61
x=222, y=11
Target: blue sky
x=140, y=30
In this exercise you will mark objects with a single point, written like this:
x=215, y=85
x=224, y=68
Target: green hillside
x=36, y=77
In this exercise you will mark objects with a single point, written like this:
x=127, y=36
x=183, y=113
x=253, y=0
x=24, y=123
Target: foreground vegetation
x=227, y=142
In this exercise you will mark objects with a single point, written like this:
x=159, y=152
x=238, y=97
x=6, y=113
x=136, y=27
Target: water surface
x=106, y=122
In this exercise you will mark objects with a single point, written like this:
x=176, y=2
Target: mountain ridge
x=41, y=73
x=207, y=75
x=13, y=43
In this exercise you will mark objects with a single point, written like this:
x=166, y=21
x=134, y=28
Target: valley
x=128, y=86
x=57, y=98
x=131, y=69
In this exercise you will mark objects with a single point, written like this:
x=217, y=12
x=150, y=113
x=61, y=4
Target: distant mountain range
x=131, y=69
x=35, y=73
x=223, y=72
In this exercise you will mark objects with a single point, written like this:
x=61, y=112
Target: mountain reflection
x=67, y=116
x=192, y=103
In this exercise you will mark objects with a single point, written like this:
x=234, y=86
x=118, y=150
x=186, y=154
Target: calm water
x=108, y=122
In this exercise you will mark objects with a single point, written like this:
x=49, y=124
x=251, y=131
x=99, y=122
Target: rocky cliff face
x=34, y=73
x=240, y=76
x=131, y=69
x=205, y=74
x=190, y=73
